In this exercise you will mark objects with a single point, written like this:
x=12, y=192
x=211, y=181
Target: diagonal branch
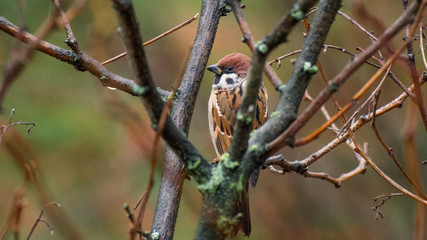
x=325, y=94
x=249, y=39
x=106, y=77
x=151, y=98
x=278, y=35
x=121, y=55
x=293, y=92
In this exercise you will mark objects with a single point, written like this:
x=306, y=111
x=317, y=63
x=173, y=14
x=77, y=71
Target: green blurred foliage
x=93, y=144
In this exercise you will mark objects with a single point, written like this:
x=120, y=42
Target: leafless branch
x=336, y=82
x=188, y=21
x=4, y=128
x=385, y=198
x=40, y=219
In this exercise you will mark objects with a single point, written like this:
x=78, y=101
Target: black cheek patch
x=217, y=78
x=229, y=81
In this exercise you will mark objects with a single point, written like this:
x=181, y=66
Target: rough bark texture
x=173, y=176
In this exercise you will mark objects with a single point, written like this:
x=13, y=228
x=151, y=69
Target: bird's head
x=230, y=70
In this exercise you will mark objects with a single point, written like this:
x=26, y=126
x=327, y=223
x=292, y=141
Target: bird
x=224, y=102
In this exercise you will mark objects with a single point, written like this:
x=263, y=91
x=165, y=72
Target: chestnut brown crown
x=238, y=61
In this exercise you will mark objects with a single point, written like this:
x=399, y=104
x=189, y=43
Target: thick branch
x=278, y=35
x=151, y=98
x=173, y=175
x=293, y=92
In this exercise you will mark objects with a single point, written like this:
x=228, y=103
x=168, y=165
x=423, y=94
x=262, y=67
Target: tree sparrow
x=224, y=102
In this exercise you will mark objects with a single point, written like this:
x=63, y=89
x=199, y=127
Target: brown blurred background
x=92, y=145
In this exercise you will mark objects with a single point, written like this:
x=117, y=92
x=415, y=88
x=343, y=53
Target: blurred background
x=91, y=146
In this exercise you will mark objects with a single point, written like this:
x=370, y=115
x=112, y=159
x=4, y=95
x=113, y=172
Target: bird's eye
x=230, y=68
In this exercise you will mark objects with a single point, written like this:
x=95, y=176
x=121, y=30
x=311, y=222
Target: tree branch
x=293, y=92
x=200, y=168
x=250, y=41
x=86, y=62
x=286, y=138
x=174, y=175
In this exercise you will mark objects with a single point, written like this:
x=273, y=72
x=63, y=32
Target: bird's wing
x=261, y=111
x=223, y=106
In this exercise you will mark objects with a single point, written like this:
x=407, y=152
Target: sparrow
x=224, y=102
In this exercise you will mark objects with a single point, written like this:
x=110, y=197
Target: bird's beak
x=215, y=69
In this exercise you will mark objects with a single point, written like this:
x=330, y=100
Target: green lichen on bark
x=238, y=185
x=226, y=161
x=195, y=164
x=261, y=47
x=275, y=114
x=310, y=68
x=214, y=181
x=139, y=90
x=227, y=224
x=297, y=13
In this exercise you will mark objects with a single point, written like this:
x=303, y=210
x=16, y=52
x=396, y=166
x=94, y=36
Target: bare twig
x=300, y=166
x=420, y=199
x=384, y=198
x=71, y=40
x=341, y=78
x=399, y=83
x=39, y=219
x=250, y=41
x=389, y=149
x=188, y=21
x=4, y=128
x=342, y=110
x=416, y=79
x=106, y=77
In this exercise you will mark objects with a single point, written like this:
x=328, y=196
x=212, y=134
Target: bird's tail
x=243, y=207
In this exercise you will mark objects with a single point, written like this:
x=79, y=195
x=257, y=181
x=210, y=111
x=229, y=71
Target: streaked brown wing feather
x=224, y=110
x=223, y=107
x=261, y=111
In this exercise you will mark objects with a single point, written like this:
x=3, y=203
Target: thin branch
x=298, y=166
x=71, y=40
x=389, y=149
x=188, y=21
x=4, y=128
x=399, y=83
x=106, y=77
x=250, y=41
x=384, y=198
x=39, y=219
x=416, y=79
x=421, y=199
x=336, y=82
